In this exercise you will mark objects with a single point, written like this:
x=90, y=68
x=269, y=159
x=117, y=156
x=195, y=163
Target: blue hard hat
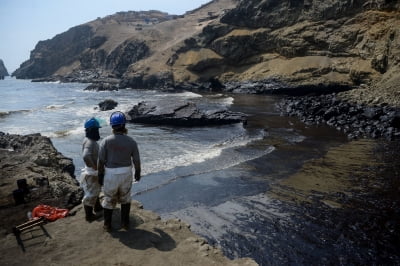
x=92, y=123
x=117, y=118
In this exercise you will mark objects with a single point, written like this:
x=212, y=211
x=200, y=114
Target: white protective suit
x=90, y=184
x=89, y=177
x=117, y=186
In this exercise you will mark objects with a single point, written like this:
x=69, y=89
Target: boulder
x=181, y=113
x=107, y=105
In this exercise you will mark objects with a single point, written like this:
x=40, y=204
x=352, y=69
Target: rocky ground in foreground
x=49, y=177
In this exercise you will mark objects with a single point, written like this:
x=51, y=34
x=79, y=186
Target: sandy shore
x=150, y=241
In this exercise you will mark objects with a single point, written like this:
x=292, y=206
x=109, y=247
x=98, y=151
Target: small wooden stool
x=17, y=230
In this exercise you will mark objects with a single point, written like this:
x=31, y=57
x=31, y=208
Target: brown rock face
x=300, y=43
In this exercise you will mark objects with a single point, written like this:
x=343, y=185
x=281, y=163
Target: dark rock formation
x=179, y=113
x=3, y=69
x=275, y=86
x=102, y=86
x=276, y=14
x=355, y=120
x=34, y=158
x=107, y=105
x=160, y=80
x=126, y=54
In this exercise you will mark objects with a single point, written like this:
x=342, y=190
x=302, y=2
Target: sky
x=23, y=23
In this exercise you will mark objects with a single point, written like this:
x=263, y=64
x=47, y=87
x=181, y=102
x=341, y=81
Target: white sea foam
x=87, y=111
x=186, y=159
x=188, y=94
x=6, y=113
x=202, y=154
x=64, y=133
x=227, y=101
x=55, y=106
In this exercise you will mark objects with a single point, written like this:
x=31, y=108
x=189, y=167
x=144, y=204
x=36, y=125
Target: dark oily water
x=313, y=198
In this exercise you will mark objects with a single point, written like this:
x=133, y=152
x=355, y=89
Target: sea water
x=59, y=110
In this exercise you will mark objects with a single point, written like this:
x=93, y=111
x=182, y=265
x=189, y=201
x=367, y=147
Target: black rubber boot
x=97, y=206
x=89, y=216
x=125, y=210
x=107, y=219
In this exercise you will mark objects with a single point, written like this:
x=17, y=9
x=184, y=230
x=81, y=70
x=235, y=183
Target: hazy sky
x=23, y=23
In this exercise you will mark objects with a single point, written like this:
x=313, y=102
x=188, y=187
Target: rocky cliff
x=288, y=45
x=101, y=48
x=3, y=69
x=298, y=43
x=49, y=177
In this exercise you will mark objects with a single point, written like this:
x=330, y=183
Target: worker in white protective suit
x=117, y=154
x=89, y=178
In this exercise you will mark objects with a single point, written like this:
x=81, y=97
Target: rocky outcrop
x=3, y=69
x=50, y=55
x=277, y=14
x=180, y=113
x=34, y=158
x=355, y=120
x=107, y=105
x=159, y=80
x=126, y=54
x=102, y=86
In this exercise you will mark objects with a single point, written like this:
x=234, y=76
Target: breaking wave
x=7, y=113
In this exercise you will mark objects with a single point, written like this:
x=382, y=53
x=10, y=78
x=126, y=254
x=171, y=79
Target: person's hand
x=101, y=179
x=137, y=178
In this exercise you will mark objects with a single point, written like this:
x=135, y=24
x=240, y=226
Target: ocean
x=59, y=110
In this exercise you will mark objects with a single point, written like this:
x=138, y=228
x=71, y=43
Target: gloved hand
x=137, y=178
x=101, y=179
